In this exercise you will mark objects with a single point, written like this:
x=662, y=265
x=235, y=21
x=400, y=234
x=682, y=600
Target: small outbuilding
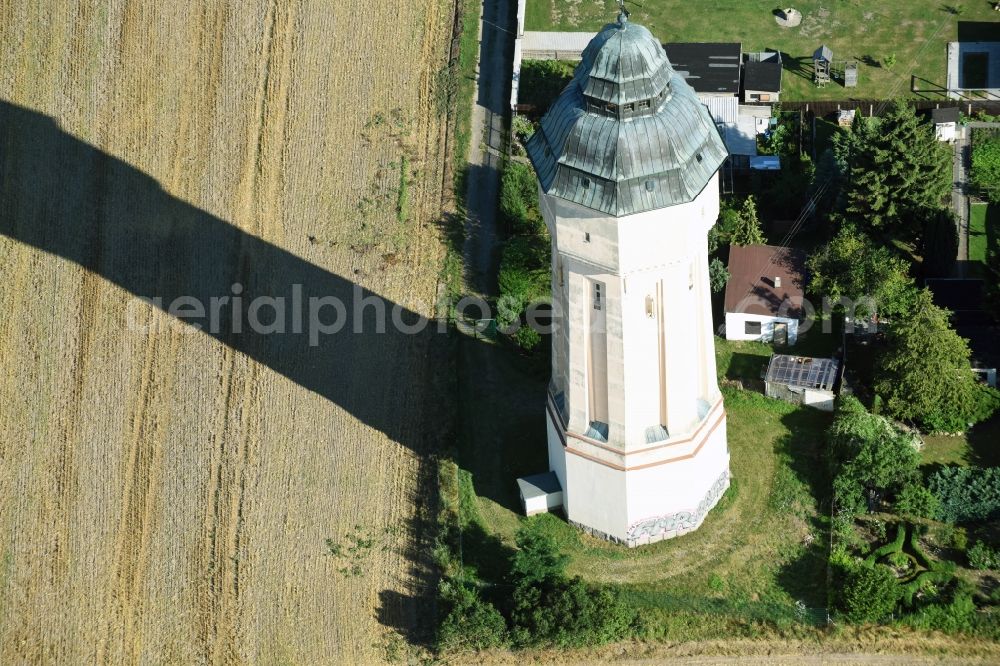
x=765, y=163
x=540, y=493
x=762, y=78
x=764, y=295
x=845, y=117
x=802, y=380
x=945, y=123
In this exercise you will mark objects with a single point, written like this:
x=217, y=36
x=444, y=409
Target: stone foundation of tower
x=657, y=493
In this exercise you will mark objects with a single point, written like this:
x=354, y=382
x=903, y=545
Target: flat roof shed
x=803, y=372
x=540, y=492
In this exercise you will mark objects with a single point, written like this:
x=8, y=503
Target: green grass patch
x=977, y=233
x=542, y=80
x=916, y=32
x=759, y=551
x=984, y=239
x=975, y=447
x=463, y=73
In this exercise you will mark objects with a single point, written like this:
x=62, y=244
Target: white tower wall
x=645, y=359
x=627, y=160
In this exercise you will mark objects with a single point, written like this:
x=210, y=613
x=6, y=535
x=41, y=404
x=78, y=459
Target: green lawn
x=915, y=31
x=984, y=235
x=980, y=446
x=758, y=552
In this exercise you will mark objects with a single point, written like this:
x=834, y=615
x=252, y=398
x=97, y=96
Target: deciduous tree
x=852, y=266
x=925, y=375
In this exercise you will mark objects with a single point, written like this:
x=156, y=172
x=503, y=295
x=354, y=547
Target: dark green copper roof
x=627, y=135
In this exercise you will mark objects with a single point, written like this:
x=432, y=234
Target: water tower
x=627, y=160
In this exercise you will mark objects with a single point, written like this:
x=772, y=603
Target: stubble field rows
x=167, y=495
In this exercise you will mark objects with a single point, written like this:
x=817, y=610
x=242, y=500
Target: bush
x=522, y=127
x=525, y=261
x=718, y=275
x=960, y=539
x=870, y=594
x=551, y=609
x=958, y=615
x=895, y=546
x=527, y=338
x=869, y=455
x=519, y=200
x=985, y=171
x=469, y=622
x=982, y=556
x=966, y=493
x=916, y=500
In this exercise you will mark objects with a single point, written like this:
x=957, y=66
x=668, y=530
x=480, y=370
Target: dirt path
x=488, y=123
x=959, y=195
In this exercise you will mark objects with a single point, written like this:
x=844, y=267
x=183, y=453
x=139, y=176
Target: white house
x=627, y=160
x=945, y=123
x=764, y=295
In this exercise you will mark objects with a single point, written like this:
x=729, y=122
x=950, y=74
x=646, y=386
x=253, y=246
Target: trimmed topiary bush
x=895, y=546
x=870, y=594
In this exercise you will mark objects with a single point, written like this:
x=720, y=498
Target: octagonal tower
x=627, y=160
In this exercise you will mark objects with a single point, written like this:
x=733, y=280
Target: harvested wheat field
x=176, y=495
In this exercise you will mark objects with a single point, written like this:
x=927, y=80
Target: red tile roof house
x=765, y=293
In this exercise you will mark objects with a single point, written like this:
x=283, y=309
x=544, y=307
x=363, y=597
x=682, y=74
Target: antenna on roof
x=622, y=12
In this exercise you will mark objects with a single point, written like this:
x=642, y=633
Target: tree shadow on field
x=68, y=198
x=383, y=364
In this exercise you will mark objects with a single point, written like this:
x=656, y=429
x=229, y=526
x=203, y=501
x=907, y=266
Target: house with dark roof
x=762, y=77
x=765, y=293
x=712, y=69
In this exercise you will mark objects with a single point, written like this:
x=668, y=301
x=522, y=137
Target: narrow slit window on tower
x=586, y=237
x=650, y=185
x=586, y=183
x=597, y=297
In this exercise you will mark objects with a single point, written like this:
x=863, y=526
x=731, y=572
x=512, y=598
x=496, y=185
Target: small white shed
x=540, y=493
x=945, y=123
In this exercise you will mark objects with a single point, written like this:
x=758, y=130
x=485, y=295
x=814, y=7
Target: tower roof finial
x=622, y=13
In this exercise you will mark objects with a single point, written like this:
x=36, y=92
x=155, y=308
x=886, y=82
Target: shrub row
x=966, y=493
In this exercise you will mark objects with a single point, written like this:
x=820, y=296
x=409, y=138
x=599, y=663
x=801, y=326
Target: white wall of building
x=819, y=399
x=945, y=131
x=736, y=327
